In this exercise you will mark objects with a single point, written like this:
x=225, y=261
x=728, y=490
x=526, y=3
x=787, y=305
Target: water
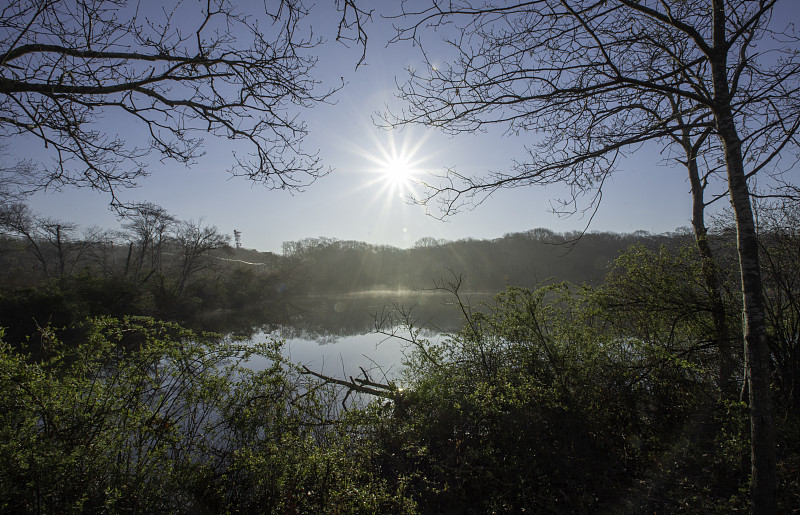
x=338, y=335
x=379, y=357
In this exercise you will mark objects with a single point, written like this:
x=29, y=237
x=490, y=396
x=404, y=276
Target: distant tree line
x=155, y=265
x=153, y=247
x=325, y=265
x=158, y=265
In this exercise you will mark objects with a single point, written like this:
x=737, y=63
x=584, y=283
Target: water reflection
x=328, y=318
x=336, y=334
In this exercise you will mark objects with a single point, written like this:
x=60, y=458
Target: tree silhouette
x=194, y=241
x=70, y=72
x=148, y=226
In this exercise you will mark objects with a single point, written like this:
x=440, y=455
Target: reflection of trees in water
x=326, y=318
x=242, y=323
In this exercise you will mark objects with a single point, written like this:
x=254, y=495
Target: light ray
x=396, y=164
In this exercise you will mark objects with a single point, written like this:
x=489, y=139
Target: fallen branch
x=358, y=385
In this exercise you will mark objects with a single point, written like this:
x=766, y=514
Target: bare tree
x=177, y=70
x=148, y=226
x=60, y=236
x=195, y=241
x=701, y=158
x=21, y=222
x=51, y=241
x=102, y=246
x=597, y=79
x=427, y=242
x=779, y=231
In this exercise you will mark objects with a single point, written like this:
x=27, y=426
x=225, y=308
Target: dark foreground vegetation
x=597, y=395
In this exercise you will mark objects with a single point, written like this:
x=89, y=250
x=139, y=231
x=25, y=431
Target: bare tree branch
x=70, y=73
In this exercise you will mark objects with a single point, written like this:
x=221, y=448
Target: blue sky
x=356, y=201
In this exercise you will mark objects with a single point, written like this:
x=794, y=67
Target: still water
x=340, y=334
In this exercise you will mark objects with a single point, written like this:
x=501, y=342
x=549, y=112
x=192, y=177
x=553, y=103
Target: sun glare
x=391, y=168
x=396, y=164
x=399, y=171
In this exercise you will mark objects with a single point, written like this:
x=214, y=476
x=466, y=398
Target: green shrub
x=147, y=416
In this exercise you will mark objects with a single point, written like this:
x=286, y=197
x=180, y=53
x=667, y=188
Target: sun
x=392, y=165
x=396, y=164
x=399, y=171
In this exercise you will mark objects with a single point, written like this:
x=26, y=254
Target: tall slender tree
x=695, y=148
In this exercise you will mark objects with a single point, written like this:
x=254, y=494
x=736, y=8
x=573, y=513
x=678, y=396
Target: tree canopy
x=596, y=80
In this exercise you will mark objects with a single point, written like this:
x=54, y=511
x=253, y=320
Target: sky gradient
x=357, y=201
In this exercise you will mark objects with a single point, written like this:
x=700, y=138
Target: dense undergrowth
x=147, y=417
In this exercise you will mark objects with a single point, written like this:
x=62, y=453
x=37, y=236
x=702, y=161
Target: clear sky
x=358, y=200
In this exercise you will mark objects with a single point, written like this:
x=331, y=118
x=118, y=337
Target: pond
x=339, y=334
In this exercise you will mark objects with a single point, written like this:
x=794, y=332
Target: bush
x=147, y=416
x=525, y=408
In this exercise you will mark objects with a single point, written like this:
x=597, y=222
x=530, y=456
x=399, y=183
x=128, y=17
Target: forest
x=594, y=380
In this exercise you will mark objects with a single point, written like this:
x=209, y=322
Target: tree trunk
x=128, y=260
x=762, y=445
x=62, y=258
x=709, y=269
x=764, y=487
